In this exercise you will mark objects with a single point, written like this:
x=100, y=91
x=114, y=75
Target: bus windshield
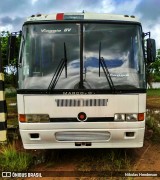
x=86, y=44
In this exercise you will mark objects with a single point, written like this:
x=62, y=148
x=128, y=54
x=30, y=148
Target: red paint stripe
x=60, y=16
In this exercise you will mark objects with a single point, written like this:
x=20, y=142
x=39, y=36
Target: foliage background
x=9, y=67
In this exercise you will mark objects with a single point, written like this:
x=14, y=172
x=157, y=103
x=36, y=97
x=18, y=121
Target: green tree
x=153, y=70
x=9, y=66
x=4, y=49
x=157, y=67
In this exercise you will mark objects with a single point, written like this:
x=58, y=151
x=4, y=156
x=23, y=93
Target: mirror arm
x=147, y=34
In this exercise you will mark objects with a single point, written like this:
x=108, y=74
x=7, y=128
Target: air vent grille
x=83, y=136
x=81, y=102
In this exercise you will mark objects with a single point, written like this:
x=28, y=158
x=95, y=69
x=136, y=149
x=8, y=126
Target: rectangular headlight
x=37, y=118
x=119, y=117
x=131, y=117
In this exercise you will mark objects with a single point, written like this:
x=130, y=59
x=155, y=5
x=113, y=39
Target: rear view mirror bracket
x=12, y=45
x=150, y=48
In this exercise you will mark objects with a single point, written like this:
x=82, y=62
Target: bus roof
x=81, y=16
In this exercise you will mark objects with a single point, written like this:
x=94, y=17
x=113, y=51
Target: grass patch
x=153, y=92
x=11, y=160
x=153, y=123
x=12, y=114
x=109, y=160
x=91, y=160
x=10, y=94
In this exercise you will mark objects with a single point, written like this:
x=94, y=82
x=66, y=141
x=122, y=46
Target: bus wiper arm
x=58, y=72
x=105, y=70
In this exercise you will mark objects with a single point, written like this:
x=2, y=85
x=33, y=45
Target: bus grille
x=82, y=136
x=81, y=102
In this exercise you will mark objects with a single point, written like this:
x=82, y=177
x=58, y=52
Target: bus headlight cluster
x=119, y=117
x=129, y=117
x=34, y=118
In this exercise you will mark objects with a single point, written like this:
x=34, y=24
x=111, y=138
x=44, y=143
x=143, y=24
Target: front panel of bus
x=81, y=84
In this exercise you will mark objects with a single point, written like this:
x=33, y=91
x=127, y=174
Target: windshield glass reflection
x=43, y=51
x=122, y=53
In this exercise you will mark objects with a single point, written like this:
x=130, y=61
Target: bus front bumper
x=82, y=138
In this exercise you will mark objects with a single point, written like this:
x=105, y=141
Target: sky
x=14, y=12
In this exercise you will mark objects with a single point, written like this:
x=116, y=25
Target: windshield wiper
x=58, y=72
x=105, y=70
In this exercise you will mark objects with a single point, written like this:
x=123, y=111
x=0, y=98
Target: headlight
x=119, y=117
x=131, y=117
x=37, y=118
x=34, y=118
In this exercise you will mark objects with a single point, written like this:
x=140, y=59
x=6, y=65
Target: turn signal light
x=22, y=118
x=140, y=116
x=34, y=118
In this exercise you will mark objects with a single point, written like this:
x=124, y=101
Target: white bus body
x=96, y=96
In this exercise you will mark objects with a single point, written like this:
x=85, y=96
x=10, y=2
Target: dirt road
x=71, y=161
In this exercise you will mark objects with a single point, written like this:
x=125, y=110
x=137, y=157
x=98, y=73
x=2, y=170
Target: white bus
x=82, y=81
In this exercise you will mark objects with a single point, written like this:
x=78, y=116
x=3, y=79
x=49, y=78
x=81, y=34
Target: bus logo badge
x=82, y=117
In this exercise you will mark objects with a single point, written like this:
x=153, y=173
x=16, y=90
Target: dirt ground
x=153, y=102
x=149, y=159
x=146, y=158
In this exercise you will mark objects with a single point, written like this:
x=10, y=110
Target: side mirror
x=151, y=50
x=11, y=47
